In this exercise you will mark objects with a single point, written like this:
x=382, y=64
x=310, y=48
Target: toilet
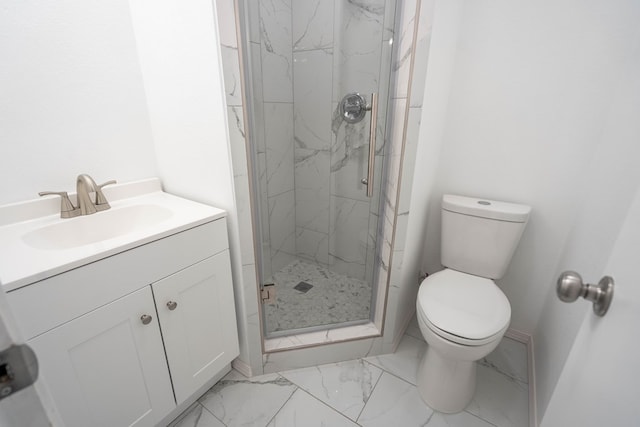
x=461, y=312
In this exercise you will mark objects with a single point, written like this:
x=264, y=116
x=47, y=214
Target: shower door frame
x=383, y=83
x=399, y=106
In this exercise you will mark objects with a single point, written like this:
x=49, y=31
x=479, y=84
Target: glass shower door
x=318, y=176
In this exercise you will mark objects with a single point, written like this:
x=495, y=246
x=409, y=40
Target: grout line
x=212, y=414
x=372, y=389
x=480, y=418
x=390, y=373
x=285, y=402
x=329, y=406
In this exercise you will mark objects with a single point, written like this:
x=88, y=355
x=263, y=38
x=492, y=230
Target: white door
x=198, y=322
x=599, y=383
x=107, y=368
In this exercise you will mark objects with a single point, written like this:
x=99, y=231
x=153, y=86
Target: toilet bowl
x=462, y=318
x=461, y=312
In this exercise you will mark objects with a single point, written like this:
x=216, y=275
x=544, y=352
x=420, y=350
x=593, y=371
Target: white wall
x=72, y=97
x=179, y=53
x=531, y=86
x=118, y=89
x=542, y=110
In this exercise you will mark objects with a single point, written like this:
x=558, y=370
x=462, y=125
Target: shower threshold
x=321, y=337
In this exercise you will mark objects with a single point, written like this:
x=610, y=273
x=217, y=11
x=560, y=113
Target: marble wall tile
x=389, y=19
x=252, y=315
x=312, y=189
x=421, y=60
x=349, y=236
x=357, y=58
x=312, y=246
x=225, y=10
x=312, y=98
x=404, y=40
x=254, y=93
x=231, y=70
x=236, y=400
x=312, y=25
x=409, y=160
x=276, y=50
x=237, y=141
x=279, y=147
x=349, y=159
x=252, y=20
x=282, y=231
x=344, y=386
x=395, y=149
x=263, y=206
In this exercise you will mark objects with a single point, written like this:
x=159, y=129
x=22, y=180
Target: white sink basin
x=94, y=228
x=37, y=243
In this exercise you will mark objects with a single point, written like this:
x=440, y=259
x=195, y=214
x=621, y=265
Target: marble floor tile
x=509, y=358
x=345, y=386
x=462, y=419
x=394, y=402
x=405, y=361
x=240, y=401
x=377, y=391
x=302, y=410
x=500, y=399
x=196, y=416
x=413, y=329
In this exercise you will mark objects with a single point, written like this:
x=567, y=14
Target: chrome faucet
x=84, y=186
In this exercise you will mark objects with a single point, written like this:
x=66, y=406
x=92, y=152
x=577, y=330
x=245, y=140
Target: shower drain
x=303, y=287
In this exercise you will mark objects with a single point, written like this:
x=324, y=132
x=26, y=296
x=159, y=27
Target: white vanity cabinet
x=125, y=340
x=106, y=368
x=195, y=313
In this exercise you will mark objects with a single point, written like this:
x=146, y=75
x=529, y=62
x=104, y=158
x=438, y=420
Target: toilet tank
x=480, y=236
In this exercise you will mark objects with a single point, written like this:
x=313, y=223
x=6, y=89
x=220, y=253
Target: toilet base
x=444, y=384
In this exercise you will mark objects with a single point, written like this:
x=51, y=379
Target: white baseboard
x=242, y=367
x=528, y=341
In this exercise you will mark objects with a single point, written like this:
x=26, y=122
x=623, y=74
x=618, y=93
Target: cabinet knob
x=146, y=319
x=171, y=305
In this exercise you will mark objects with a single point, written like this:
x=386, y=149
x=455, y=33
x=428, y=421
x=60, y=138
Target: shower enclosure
x=317, y=169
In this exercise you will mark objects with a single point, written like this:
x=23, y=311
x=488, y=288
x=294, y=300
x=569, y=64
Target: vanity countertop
x=35, y=243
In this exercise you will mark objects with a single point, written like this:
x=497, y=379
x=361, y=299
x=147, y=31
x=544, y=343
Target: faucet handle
x=101, y=201
x=67, y=210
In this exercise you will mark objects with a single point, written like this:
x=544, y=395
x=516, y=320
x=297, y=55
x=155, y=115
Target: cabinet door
x=198, y=322
x=107, y=368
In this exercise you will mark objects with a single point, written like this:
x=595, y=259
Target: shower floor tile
x=333, y=299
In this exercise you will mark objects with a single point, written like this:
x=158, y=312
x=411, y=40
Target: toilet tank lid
x=485, y=208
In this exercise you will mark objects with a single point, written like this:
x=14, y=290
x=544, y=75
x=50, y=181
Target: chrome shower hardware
x=353, y=108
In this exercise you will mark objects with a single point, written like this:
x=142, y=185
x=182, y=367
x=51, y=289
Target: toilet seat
x=466, y=309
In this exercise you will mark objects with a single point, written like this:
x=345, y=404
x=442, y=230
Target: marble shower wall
x=251, y=360
x=305, y=56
